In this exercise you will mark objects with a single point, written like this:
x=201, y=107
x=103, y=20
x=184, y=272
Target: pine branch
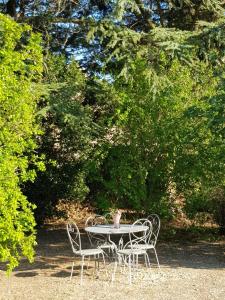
x=145, y=14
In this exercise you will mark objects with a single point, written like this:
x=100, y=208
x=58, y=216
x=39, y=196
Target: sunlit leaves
x=20, y=66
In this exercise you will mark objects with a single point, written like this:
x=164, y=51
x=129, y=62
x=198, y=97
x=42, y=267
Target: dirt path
x=188, y=271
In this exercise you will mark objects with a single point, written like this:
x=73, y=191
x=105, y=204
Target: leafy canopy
x=20, y=68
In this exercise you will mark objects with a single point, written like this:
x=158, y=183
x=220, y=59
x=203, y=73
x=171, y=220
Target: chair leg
x=148, y=260
x=114, y=270
x=136, y=265
x=137, y=261
x=98, y=262
x=129, y=266
x=103, y=259
x=157, y=258
x=88, y=262
x=71, y=274
x=121, y=263
x=82, y=270
x=95, y=262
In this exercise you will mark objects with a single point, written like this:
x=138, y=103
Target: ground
x=189, y=270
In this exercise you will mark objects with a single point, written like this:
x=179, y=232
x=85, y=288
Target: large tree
x=20, y=68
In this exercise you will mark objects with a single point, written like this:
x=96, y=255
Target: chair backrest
x=95, y=239
x=74, y=236
x=95, y=220
x=155, y=221
x=141, y=237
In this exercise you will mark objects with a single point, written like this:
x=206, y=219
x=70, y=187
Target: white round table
x=108, y=229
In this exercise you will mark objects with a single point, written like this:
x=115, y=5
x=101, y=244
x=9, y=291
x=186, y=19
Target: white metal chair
x=98, y=240
x=155, y=221
x=151, y=240
x=129, y=253
x=75, y=241
x=142, y=241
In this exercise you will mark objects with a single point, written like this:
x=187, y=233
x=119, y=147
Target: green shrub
x=20, y=67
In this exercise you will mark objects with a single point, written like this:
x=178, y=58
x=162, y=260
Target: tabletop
x=109, y=229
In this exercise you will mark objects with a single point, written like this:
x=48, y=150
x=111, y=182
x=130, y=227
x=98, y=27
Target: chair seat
x=88, y=252
x=143, y=246
x=106, y=246
x=131, y=251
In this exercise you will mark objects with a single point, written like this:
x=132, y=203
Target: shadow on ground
x=54, y=255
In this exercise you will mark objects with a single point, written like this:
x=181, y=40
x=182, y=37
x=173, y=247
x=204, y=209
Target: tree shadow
x=54, y=255
x=198, y=255
x=26, y=274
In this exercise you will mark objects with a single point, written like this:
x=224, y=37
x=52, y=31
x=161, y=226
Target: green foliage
x=75, y=109
x=65, y=143
x=20, y=67
x=171, y=109
x=151, y=126
x=161, y=137
x=122, y=183
x=155, y=126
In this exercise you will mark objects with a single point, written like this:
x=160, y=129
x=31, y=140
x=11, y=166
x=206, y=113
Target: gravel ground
x=188, y=271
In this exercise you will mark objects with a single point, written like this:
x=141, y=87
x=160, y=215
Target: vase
x=116, y=219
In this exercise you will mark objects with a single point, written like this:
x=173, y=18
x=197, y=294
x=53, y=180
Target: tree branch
x=145, y=14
